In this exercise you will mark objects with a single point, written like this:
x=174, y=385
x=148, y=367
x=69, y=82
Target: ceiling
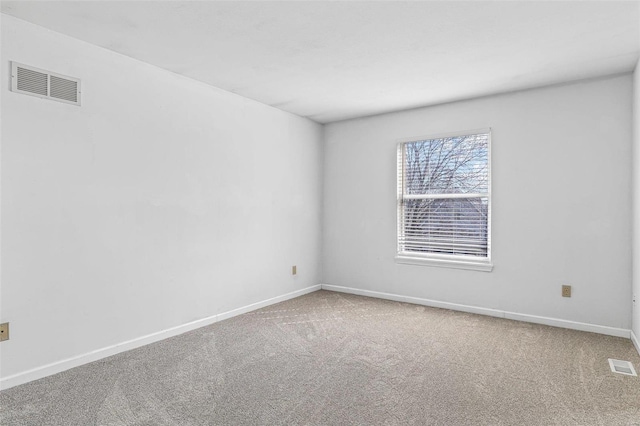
x=332, y=61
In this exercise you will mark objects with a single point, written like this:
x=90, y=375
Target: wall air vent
x=44, y=84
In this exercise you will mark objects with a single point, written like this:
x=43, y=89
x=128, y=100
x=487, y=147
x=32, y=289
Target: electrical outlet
x=4, y=332
x=566, y=291
x=294, y=270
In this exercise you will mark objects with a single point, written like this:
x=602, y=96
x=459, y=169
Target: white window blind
x=444, y=198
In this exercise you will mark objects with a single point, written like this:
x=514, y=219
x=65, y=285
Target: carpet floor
x=337, y=359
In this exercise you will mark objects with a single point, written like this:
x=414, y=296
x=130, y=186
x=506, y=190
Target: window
x=444, y=201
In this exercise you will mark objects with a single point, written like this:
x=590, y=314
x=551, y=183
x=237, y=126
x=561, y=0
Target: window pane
x=456, y=226
x=455, y=165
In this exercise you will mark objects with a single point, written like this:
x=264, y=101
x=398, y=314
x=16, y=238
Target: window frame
x=434, y=259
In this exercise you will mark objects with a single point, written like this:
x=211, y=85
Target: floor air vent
x=622, y=367
x=44, y=84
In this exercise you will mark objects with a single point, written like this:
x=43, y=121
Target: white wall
x=159, y=201
x=561, y=203
x=636, y=204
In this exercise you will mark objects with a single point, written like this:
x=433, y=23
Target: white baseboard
x=635, y=341
x=555, y=322
x=66, y=364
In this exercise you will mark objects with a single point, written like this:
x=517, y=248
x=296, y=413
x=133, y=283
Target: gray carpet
x=335, y=359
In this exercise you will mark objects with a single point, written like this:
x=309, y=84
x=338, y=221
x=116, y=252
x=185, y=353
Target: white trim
x=414, y=258
x=446, y=263
x=252, y=307
x=554, y=322
x=66, y=364
x=635, y=341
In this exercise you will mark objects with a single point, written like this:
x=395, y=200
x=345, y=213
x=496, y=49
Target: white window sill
x=485, y=266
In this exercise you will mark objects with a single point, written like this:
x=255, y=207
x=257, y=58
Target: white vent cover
x=622, y=367
x=44, y=84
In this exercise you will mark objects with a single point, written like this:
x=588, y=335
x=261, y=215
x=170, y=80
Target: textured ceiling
x=336, y=60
